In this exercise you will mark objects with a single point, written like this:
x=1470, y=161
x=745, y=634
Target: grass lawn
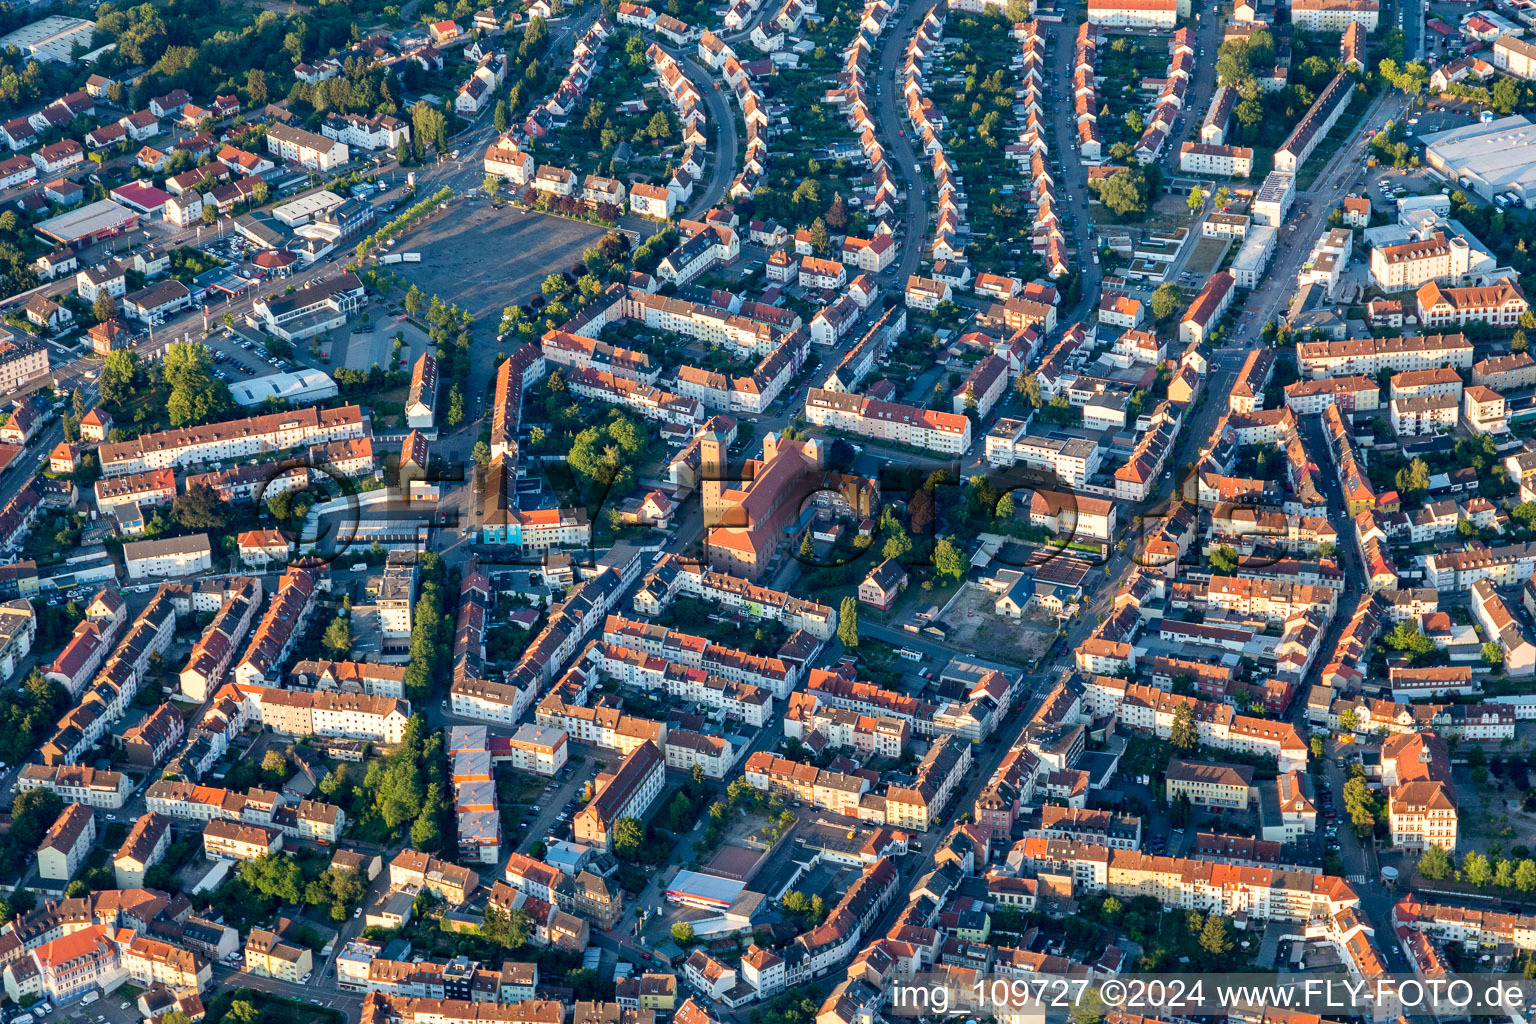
x=273, y=1009
x=515, y=787
x=371, y=831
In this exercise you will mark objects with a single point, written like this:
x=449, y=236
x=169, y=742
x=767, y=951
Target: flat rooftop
x=1501, y=153
x=91, y=219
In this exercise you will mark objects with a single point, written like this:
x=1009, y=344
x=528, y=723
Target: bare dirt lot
x=1207, y=256
x=974, y=628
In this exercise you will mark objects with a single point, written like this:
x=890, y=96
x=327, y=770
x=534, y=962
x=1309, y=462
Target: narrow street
x=725, y=156
x=1074, y=175
x=892, y=131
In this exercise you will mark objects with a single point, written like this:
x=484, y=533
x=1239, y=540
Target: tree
x=848, y=622
x=1493, y=654
x=199, y=509
x=509, y=931
x=682, y=933
x=197, y=395
x=897, y=542
x=1111, y=906
x=105, y=307
x=837, y=213
x=499, y=118
x=455, y=406
x=1504, y=874
x=1028, y=387
x=33, y=813
x=280, y=505
x=428, y=125
x=1006, y=508
x=1435, y=864
x=1196, y=199
x=796, y=902
x=274, y=765
x=1088, y=1008
x=336, y=785
x=1525, y=875
x=256, y=87
x=660, y=126
x=481, y=454
x=118, y=375
x=1359, y=803
x=821, y=240
x=921, y=511
x=1224, y=559
x=1405, y=636
x=1214, y=937
x=1165, y=301
x=1315, y=746
x=1349, y=720
x=413, y=300
x=337, y=640
x=1182, y=734
x=1414, y=479
x=210, y=213
x=1476, y=869
x=242, y=1011
x=627, y=837
x=1126, y=193
x=949, y=561
x=426, y=832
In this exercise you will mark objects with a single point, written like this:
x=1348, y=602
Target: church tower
x=712, y=477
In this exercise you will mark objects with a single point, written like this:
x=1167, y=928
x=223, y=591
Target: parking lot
x=487, y=256
x=113, y=1008
x=359, y=347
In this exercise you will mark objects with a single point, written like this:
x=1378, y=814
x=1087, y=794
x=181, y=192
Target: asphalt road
x=1073, y=175
x=1309, y=218
x=1198, y=99
x=726, y=151
x=898, y=149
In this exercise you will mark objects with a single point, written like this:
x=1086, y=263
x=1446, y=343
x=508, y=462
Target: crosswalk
x=1358, y=879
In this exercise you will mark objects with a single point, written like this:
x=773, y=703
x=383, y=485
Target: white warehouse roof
x=299, y=387
x=1496, y=157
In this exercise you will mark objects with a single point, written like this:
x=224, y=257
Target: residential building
x=66, y=843
x=1209, y=786
x=142, y=849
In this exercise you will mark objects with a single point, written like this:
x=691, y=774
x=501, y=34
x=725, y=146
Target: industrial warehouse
x=1490, y=159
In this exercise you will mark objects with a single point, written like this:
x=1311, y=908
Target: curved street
x=726, y=151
